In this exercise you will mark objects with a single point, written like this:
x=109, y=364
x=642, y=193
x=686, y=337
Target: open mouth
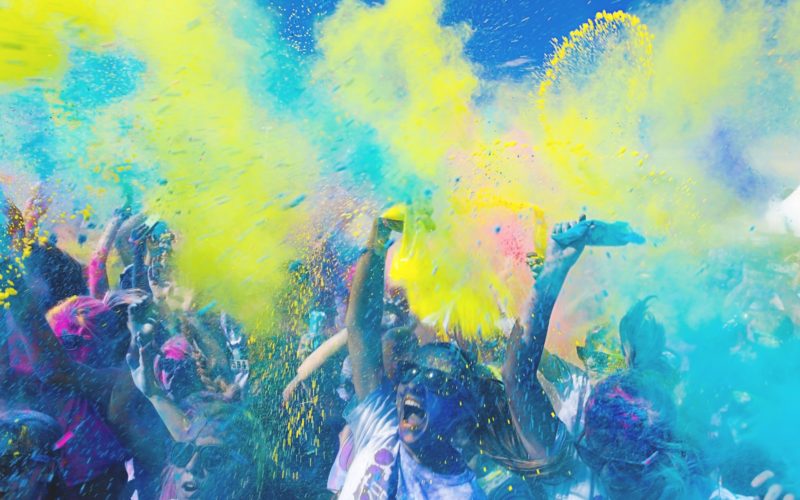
x=189, y=487
x=413, y=413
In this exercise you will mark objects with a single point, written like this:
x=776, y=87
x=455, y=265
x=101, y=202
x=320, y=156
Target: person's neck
x=440, y=457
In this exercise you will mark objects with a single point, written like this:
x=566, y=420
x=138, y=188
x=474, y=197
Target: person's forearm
x=139, y=268
x=175, y=419
x=318, y=358
x=364, y=318
x=531, y=410
x=527, y=348
x=366, y=302
x=97, y=275
x=97, y=272
x=35, y=210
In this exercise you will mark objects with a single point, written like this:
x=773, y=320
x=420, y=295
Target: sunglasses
x=597, y=461
x=436, y=380
x=209, y=457
x=71, y=341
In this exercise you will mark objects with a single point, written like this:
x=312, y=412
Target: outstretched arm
x=531, y=410
x=315, y=360
x=365, y=310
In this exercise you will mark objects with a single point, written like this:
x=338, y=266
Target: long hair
x=494, y=433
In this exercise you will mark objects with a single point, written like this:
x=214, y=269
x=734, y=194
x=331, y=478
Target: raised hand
x=560, y=254
x=379, y=239
x=141, y=365
x=394, y=217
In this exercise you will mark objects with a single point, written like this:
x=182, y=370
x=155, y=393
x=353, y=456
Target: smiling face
x=433, y=399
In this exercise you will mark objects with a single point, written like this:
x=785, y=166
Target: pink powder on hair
x=177, y=348
x=77, y=316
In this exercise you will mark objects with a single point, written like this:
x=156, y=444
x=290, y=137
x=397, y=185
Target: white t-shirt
x=382, y=468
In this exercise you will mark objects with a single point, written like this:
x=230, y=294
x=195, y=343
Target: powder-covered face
x=201, y=472
x=432, y=399
x=89, y=332
x=176, y=369
x=80, y=344
x=209, y=467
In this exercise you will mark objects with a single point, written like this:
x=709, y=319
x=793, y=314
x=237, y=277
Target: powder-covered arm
x=96, y=271
x=532, y=411
x=365, y=310
x=315, y=360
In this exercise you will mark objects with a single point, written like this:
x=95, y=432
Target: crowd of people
x=125, y=387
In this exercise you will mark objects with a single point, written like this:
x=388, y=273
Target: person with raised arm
x=76, y=351
x=406, y=438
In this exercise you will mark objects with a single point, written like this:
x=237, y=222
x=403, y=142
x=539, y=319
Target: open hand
x=141, y=365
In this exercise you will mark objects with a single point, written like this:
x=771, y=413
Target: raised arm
x=138, y=241
x=35, y=209
x=365, y=310
x=140, y=361
x=531, y=410
x=96, y=272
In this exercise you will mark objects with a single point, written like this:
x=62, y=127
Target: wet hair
x=62, y=274
x=82, y=314
x=403, y=337
x=495, y=436
x=643, y=337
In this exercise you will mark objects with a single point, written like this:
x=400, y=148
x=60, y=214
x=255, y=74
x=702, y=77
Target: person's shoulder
x=383, y=395
x=376, y=413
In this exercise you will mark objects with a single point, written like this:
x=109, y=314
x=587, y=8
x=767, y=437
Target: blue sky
x=506, y=31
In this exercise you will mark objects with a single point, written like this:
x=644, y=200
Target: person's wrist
x=377, y=250
x=156, y=395
x=555, y=269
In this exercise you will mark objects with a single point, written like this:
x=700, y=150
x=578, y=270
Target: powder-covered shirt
x=383, y=469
